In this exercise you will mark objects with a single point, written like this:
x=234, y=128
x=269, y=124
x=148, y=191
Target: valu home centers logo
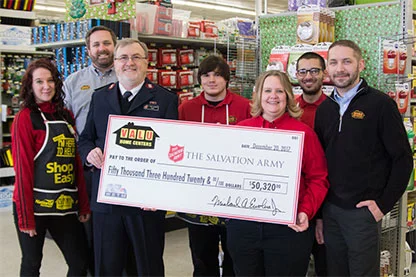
x=131, y=136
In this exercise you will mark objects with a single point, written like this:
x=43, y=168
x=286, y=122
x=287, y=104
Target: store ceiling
x=274, y=6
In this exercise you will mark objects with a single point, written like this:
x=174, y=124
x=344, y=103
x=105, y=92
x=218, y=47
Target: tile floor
x=176, y=256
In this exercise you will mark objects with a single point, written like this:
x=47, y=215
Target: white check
x=217, y=170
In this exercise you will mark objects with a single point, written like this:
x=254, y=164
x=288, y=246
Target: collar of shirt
x=133, y=91
x=101, y=74
x=303, y=103
x=344, y=101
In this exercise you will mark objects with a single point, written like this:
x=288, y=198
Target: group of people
x=355, y=165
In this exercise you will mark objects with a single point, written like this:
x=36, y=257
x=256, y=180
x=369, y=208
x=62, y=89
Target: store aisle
x=177, y=255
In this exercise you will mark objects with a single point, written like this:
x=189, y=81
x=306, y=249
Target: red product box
x=153, y=75
x=209, y=29
x=194, y=29
x=163, y=21
x=167, y=78
x=168, y=57
x=185, y=79
x=152, y=56
x=184, y=96
x=186, y=57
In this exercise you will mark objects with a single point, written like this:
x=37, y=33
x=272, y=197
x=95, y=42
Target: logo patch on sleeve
x=357, y=114
x=85, y=87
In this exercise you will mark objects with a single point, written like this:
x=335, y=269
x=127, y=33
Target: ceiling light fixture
x=213, y=7
x=51, y=9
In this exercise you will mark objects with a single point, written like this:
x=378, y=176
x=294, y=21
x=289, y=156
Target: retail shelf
x=59, y=44
x=191, y=41
x=412, y=100
x=28, y=51
x=17, y=14
x=6, y=172
x=144, y=38
x=7, y=135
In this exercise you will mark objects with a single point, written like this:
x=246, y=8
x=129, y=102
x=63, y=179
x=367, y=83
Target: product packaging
x=390, y=57
x=185, y=79
x=186, y=57
x=279, y=58
x=153, y=75
x=402, y=97
x=167, y=78
x=167, y=57
x=307, y=29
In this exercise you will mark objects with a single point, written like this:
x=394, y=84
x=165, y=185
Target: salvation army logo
x=176, y=153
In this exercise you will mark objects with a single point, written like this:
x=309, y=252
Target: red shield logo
x=176, y=153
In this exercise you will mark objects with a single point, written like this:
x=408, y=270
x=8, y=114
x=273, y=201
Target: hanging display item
x=100, y=9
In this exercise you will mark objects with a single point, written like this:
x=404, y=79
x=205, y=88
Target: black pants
x=265, y=249
x=69, y=235
x=319, y=258
x=204, y=241
x=88, y=225
x=352, y=239
x=128, y=241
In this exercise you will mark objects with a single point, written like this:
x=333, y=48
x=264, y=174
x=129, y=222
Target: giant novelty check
x=226, y=171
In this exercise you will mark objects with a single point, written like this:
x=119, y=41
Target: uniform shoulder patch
x=357, y=114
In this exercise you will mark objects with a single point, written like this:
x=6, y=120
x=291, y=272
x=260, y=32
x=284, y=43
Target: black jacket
x=368, y=153
x=105, y=101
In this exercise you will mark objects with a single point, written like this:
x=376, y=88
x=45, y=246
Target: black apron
x=55, y=190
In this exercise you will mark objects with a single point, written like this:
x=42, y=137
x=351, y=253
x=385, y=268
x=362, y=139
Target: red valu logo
x=176, y=153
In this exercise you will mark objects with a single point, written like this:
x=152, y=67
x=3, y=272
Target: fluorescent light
x=213, y=7
x=51, y=9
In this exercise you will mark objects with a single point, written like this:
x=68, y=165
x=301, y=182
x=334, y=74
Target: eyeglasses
x=313, y=71
x=125, y=59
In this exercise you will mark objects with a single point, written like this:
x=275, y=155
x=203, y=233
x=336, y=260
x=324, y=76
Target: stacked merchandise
x=71, y=59
x=176, y=68
x=21, y=5
x=315, y=32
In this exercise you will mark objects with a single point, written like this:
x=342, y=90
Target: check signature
x=247, y=203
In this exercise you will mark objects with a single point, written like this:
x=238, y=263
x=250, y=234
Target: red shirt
x=199, y=110
x=27, y=141
x=313, y=181
x=309, y=110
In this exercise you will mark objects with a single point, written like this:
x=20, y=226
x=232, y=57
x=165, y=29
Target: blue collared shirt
x=344, y=101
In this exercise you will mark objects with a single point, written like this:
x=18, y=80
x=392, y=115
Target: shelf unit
x=6, y=172
x=4, y=99
x=145, y=38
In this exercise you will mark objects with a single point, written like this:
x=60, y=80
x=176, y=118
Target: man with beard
x=311, y=71
x=369, y=163
x=118, y=228
x=79, y=86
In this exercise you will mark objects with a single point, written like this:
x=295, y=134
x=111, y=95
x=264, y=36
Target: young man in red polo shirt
x=311, y=72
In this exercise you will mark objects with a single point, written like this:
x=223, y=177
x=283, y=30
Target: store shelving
x=5, y=98
x=17, y=14
x=145, y=38
x=6, y=172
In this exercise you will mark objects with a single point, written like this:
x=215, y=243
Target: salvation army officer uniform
x=117, y=228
